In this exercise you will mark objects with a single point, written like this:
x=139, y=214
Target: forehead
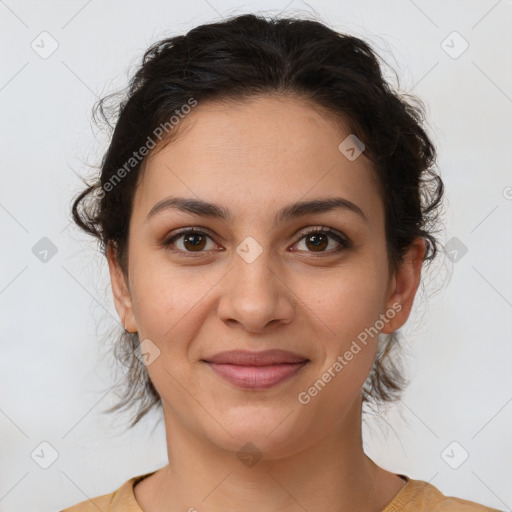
x=258, y=153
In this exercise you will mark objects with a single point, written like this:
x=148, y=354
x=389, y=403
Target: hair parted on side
x=242, y=57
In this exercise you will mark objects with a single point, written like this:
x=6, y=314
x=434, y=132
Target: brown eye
x=317, y=240
x=192, y=240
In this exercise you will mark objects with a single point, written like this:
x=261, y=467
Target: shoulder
x=93, y=504
x=420, y=496
x=122, y=499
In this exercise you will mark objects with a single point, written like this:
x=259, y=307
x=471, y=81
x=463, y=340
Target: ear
x=404, y=284
x=122, y=296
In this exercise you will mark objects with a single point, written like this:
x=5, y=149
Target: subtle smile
x=256, y=370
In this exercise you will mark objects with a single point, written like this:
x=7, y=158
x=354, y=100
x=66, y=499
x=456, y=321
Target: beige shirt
x=415, y=496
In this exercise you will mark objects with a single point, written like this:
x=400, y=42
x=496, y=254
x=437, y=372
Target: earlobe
x=405, y=284
x=120, y=290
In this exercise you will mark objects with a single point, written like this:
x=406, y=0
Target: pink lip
x=256, y=370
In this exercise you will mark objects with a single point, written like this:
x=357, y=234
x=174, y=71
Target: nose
x=254, y=295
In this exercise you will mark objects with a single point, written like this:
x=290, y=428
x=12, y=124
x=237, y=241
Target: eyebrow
x=212, y=210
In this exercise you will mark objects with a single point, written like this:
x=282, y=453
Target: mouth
x=256, y=370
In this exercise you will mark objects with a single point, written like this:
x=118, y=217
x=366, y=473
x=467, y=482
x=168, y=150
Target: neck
x=331, y=474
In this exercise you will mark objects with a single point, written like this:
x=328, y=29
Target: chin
x=272, y=432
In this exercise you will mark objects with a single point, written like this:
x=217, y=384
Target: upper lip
x=248, y=358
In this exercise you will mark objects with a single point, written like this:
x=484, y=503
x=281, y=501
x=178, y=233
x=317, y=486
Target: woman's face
x=255, y=280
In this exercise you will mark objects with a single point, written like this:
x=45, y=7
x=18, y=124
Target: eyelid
x=184, y=231
x=325, y=230
x=343, y=241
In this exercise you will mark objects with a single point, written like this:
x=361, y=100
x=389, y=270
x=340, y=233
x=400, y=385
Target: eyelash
x=344, y=242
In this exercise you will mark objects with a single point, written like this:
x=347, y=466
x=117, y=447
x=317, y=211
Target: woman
x=266, y=206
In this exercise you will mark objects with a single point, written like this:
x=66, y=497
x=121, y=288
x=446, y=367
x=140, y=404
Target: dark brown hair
x=246, y=56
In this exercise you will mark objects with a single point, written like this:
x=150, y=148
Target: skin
x=255, y=157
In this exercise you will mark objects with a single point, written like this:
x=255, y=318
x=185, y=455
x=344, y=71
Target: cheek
x=346, y=312
x=166, y=297
x=167, y=307
x=344, y=303
x=345, y=309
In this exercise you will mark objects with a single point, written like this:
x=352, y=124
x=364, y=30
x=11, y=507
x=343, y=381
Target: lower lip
x=256, y=377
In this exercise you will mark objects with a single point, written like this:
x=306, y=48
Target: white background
x=55, y=377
